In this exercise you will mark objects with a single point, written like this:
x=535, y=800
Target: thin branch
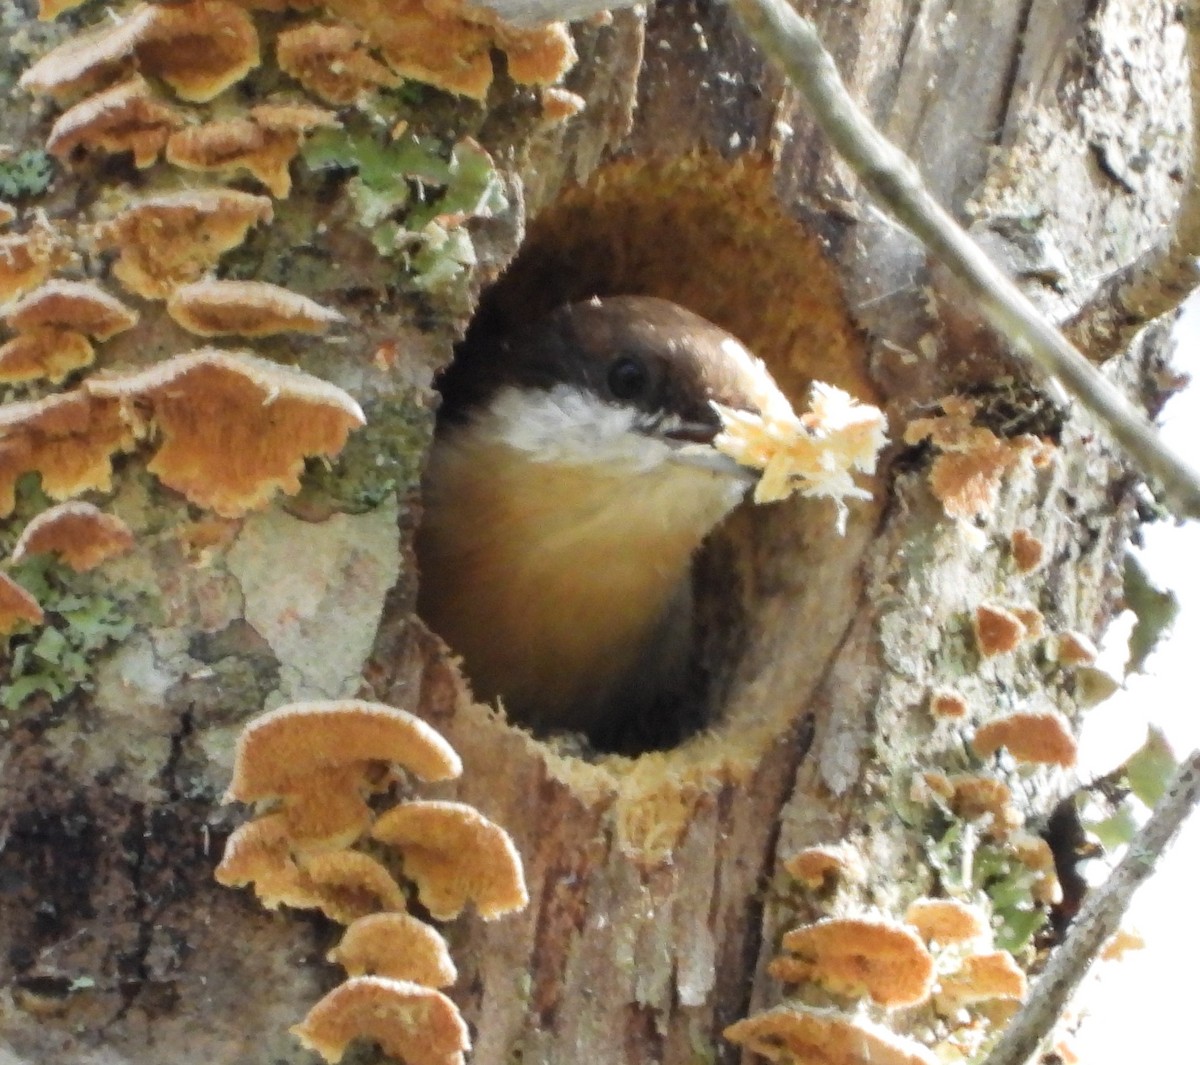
x=1097, y=920
x=793, y=43
x=1160, y=279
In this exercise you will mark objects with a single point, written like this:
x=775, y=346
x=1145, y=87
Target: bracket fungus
x=1036, y=855
x=805, y=1035
x=52, y=354
x=263, y=143
x=166, y=241
x=946, y=922
x=449, y=44
x=947, y=705
x=455, y=855
x=27, y=259
x=1075, y=649
x=343, y=884
x=817, y=867
x=1027, y=550
x=82, y=306
x=977, y=798
x=973, y=461
x=332, y=61
x=68, y=438
x=246, y=308
x=234, y=428
x=398, y=946
x=199, y=48
x=980, y=978
x=882, y=959
x=1041, y=737
x=998, y=631
x=81, y=534
x=411, y=1023
x=128, y=117
x=16, y=606
x=278, y=749
x=8, y=213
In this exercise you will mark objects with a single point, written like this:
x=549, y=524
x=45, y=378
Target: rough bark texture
x=1057, y=130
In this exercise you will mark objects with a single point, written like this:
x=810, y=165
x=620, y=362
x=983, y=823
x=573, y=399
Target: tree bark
x=1057, y=131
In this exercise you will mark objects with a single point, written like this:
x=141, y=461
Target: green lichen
x=25, y=175
x=58, y=657
x=968, y=868
x=412, y=195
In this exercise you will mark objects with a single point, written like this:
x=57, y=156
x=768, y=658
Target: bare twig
x=793, y=43
x=1097, y=921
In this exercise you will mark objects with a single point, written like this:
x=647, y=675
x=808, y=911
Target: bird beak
x=691, y=443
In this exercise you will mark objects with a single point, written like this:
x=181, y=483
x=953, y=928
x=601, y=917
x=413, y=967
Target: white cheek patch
x=569, y=426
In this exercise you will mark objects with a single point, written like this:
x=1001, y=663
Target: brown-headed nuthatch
x=571, y=480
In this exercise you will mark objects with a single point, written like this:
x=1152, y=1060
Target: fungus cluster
x=972, y=461
x=940, y=954
x=55, y=326
x=318, y=766
x=201, y=47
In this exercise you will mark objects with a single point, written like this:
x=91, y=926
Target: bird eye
x=628, y=377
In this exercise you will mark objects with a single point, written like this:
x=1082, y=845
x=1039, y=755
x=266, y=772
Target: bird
x=571, y=480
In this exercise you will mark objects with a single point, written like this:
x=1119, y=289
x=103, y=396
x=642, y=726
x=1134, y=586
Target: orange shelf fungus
x=82, y=306
x=816, y=867
x=447, y=45
x=804, y=1035
x=979, y=798
x=1035, y=854
x=997, y=631
x=27, y=259
x=68, y=438
x=128, y=117
x=411, y=1023
x=858, y=956
x=1075, y=649
x=278, y=749
x=455, y=855
x=167, y=241
x=246, y=308
x=52, y=354
x=946, y=921
x=966, y=476
x=344, y=885
x=199, y=48
x=332, y=61
x=947, y=705
x=1040, y=737
x=16, y=606
x=398, y=946
x=234, y=428
x=82, y=535
x=263, y=144
x=8, y=213
x=1027, y=550
x=981, y=978
x=559, y=104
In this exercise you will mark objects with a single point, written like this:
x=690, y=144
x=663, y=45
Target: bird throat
x=565, y=586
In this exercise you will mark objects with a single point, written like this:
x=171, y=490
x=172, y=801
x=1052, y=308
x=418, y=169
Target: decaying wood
x=657, y=897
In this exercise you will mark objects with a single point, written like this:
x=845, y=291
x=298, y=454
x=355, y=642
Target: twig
x=793, y=43
x=1097, y=920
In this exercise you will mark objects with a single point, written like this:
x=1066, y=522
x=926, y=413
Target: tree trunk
x=1058, y=131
